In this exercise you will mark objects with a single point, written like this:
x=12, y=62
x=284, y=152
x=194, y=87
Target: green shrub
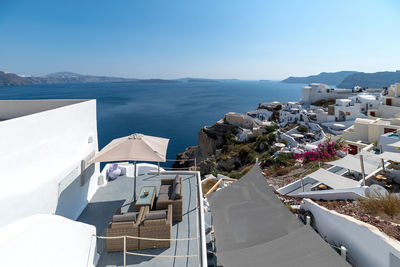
x=284, y=159
x=244, y=170
x=244, y=152
x=271, y=137
x=270, y=129
x=302, y=129
x=229, y=138
x=235, y=174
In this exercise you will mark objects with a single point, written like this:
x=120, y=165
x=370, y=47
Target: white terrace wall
x=10, y=109
x=385, y=111
x=48, y=241
x=366, y=245
x=40, y=162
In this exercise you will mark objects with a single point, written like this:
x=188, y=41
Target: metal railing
x=125, y=252
x=200, y=227
x=179, y=169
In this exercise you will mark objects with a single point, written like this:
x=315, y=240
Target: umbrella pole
x=134, y=184
x=362, y=169
x=158, y=168
x=382, y=160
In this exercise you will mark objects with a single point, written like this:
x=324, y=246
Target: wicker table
x=381, y=177
x=143, y=200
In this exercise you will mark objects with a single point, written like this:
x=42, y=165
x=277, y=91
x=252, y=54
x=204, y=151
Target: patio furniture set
x=151, y=219
x=387, y=180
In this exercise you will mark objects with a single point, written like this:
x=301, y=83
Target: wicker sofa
x=156, y=224
x=126, y=224
x=171, y=193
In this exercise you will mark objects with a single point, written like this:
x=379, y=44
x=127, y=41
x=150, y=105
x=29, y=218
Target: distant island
x=331, y=78
x=156, y=81
x=341, y=79
x=11, y=79
x=349, y=79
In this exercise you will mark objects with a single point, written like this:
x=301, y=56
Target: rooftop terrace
x=119, y=193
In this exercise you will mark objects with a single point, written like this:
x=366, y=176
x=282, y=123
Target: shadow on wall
x=72, y=197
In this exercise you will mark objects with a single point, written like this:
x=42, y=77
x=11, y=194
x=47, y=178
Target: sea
x=171, y=110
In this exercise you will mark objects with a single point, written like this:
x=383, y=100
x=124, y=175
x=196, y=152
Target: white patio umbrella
x=135, y=147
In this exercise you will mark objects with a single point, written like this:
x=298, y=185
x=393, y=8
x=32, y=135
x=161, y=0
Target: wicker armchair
x=123, y=228
x=156, y=228
x=165, y=198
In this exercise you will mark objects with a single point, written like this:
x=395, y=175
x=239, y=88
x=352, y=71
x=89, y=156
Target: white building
x=355, y=106
x=390, y=106
x=242, y=120
x=45, y=146
x=316, y=91
x=387, y=140
x=292, y=112
x=261, y=114
x=367, y=131
x=54, y=205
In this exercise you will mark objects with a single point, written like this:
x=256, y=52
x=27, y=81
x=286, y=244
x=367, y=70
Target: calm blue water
x=173, y=110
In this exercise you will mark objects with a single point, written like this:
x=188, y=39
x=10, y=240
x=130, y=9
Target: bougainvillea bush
x=325, y=151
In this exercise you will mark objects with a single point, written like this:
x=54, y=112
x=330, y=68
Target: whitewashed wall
x=48, y=241
x=40, y=152
x=10, y=109
x=366, y=245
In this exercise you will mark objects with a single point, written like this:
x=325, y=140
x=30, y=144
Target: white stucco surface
x=47, y=241
x=40, y=162
x=366, y=245
x=10, y=109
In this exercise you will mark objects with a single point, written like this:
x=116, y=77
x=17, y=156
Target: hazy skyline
x=209, y=39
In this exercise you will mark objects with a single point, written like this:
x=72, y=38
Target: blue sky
x=205, y=38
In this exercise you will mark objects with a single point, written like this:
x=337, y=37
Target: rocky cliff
x=222, y=149
x=211, y=138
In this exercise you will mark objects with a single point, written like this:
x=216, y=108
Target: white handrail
x=202, y=226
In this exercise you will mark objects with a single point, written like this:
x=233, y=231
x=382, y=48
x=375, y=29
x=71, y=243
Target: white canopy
x=296, y=135
x=385, y=155
x=353, y=163
x=281, y=145
x=135, y=147
x=333, y=180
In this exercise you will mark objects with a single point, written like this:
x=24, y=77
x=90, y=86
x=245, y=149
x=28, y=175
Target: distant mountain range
x=349, y=79
x=371, y=80
x=11, y=79
x=342, y=79
x=331, y=78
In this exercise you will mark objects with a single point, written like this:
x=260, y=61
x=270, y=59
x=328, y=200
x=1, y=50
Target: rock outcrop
x=211, y=138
